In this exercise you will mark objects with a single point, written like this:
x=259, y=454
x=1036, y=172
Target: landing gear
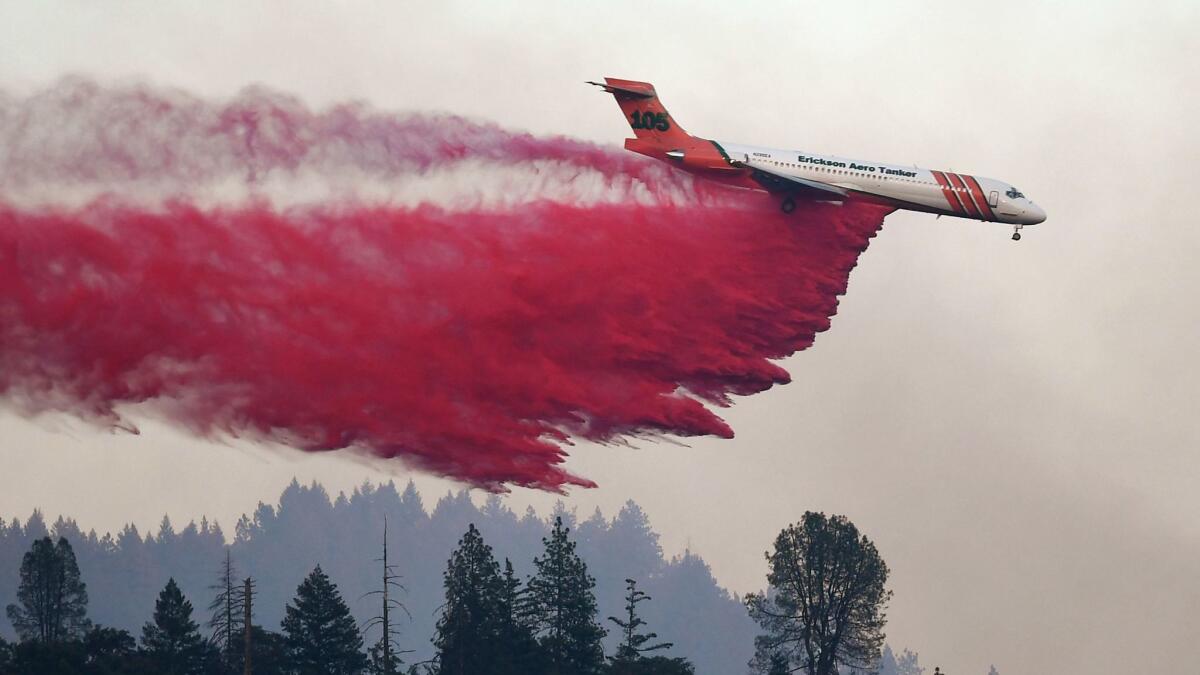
x=788, y=205
x=1017, y=233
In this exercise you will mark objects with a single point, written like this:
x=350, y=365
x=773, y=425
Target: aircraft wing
x=777, y=181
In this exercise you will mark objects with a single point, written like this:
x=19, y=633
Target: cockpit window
x=1014, y=193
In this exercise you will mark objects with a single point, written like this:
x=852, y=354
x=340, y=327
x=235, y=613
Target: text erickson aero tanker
x=794, y=174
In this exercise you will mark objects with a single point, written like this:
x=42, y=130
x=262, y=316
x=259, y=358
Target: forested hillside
x=278, y=545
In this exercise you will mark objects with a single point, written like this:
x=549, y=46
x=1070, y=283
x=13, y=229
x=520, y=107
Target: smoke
x=78, y=140
x=461, y=297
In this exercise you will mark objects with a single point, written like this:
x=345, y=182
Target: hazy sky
x=1013, y=424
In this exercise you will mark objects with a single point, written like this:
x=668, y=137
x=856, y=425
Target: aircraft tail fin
x=658, y=135
x=646, y=115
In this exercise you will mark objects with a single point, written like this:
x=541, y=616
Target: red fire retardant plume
x=471, y=342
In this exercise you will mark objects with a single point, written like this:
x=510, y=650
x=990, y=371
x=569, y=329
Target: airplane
x=794, y=174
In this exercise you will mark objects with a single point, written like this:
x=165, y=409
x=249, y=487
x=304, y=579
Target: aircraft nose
x=1034, y=214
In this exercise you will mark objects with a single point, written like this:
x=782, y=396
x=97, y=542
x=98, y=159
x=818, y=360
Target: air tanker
x=795, y=175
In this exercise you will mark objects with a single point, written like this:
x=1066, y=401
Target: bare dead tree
x=227, y=607
x=384, y=654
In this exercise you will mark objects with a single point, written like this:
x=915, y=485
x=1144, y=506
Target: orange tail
x=658, y=135
x=645, y=113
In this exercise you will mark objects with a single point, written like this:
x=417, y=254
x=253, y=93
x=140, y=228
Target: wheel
x=788, y=205
x=1016, y=236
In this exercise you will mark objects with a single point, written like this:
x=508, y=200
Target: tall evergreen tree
x=524, y=655
x=630, y=658
x=561, y=604
x=249, y=593
x=5, y=648
x=319, y=632
x=633, y=643
x=467, y=638
x=52, y=596
x=173, y=643
x=825, y=608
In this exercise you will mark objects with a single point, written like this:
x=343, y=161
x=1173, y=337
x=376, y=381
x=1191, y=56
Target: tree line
x=279, y=542
x=823, y=611
x=490, y=623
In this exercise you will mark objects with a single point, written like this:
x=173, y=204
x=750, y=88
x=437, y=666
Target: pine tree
x=561, y=604
x=173, y=642
x=515, y=635
x=631, y=532
x=630, y=658
x=319, y=632
x=53, y=598
x=633, y=643
x=248, y=646
x=467, y=638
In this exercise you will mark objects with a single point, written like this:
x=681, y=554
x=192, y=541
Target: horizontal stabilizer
x=635, y=89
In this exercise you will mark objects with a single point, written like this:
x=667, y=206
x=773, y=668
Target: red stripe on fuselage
x=957, y=181
x=951, y=198
x=980, y=198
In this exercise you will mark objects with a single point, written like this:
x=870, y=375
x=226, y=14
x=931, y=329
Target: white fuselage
x=907, y=187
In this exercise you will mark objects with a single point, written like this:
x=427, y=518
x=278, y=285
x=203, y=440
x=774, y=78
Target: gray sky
x=1013, y=424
